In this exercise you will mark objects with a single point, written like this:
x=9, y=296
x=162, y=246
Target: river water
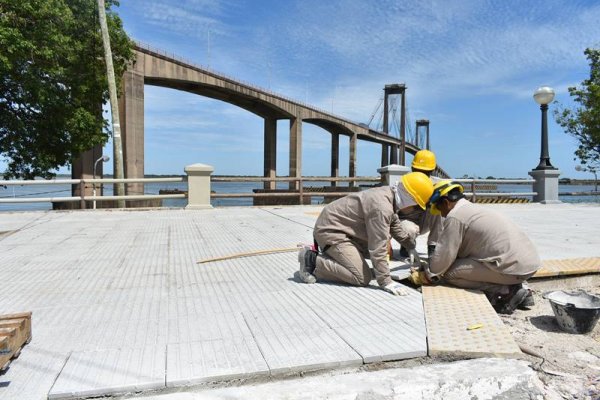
x=230, y=187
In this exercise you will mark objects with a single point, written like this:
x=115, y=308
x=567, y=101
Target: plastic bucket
x=576, y=311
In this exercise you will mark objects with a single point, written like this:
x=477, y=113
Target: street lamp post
x=103, y=159
x=545, y=174
x=543, y=96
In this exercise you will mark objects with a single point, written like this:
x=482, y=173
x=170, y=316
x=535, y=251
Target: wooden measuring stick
x=248, y=254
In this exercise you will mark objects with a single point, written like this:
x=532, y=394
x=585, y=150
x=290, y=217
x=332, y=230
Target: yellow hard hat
x=440, y=190
x=419, y=186
x=424, y=160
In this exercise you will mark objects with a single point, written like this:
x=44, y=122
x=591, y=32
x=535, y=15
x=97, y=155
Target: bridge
x=152, y=67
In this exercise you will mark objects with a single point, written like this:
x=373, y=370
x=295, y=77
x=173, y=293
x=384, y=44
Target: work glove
x=418, y=277
x=410, y=228
x=396, y=289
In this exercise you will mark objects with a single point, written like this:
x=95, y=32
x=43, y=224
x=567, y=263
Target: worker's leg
x=343, y=262
x=471, y=274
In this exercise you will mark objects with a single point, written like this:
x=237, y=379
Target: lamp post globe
x=543, y=96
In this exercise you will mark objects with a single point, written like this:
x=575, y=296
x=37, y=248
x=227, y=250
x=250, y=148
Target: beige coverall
x=480, y=249
x=427, y=223
x=353, y=227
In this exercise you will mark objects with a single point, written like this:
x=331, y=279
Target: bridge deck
x=119, y=303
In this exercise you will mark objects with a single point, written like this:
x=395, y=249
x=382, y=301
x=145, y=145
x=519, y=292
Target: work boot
x=508, y=303
x=308, y=261
x=528, y=302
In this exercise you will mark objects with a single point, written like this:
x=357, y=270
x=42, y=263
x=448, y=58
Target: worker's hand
x=415, y=258
x=410, y=228
x=396, y=289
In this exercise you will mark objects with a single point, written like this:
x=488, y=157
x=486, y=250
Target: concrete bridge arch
x=154, y=68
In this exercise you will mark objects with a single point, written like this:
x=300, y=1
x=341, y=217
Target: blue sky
x=470, y=68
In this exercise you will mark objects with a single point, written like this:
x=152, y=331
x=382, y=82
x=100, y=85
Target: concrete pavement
x=120, y=305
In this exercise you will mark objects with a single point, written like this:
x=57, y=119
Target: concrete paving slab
x=191, y=363
x=195, y=328
x=287, y=352
x=462, y=323
x=385, y=342
x=96, y=373
x=294, y=320
x=31, y=374
x=400, y=309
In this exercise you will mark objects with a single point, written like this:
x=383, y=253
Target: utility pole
x=114, y=107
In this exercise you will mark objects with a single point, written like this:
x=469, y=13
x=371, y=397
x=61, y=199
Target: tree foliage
x=583, y=121
x=53, y=81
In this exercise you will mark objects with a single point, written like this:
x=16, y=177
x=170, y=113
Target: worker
x=481, y=249
x=424, y=161
x=360, y=225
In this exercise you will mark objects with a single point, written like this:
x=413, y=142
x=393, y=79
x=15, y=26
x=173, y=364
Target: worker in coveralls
x=424, y=161
x=360, y=225
x=480, y=249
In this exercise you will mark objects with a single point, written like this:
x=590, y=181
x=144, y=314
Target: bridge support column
x=295, y=151
x=335, y=157
x=352, y=158
x=385, y=149
x=83, y=168
x=131, y=110
x=270, y=140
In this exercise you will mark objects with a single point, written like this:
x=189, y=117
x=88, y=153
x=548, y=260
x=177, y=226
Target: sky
x=470, y=67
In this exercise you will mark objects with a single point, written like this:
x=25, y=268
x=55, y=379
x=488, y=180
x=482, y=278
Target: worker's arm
x=404, y=232
x=378, y=233
x=447, y=248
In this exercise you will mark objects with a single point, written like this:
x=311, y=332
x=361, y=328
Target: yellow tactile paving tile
x=315, y=213
x=569, y=266
x=463, y=323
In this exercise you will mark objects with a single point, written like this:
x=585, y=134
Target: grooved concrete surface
x=120, y=304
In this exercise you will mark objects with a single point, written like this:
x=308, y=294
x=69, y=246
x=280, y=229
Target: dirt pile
x=570, y=367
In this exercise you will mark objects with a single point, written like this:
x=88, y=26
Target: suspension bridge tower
x=389, y=91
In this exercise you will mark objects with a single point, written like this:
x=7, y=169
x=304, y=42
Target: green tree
x=53, y=82
x=583, y=121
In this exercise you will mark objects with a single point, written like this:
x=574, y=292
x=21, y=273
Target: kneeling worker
x=360, y=225
x=480, y=249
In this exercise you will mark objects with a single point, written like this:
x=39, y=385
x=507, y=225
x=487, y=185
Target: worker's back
x=492, y=238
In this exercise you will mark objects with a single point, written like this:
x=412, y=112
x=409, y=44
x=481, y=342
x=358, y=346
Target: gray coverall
x=353, y=227
x=480, y=249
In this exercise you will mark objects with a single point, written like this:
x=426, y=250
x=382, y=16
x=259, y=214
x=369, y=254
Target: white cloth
x=403, y=198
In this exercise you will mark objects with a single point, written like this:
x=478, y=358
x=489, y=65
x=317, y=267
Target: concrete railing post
x=198, y=186
x=546, y=185
x=390, y=174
